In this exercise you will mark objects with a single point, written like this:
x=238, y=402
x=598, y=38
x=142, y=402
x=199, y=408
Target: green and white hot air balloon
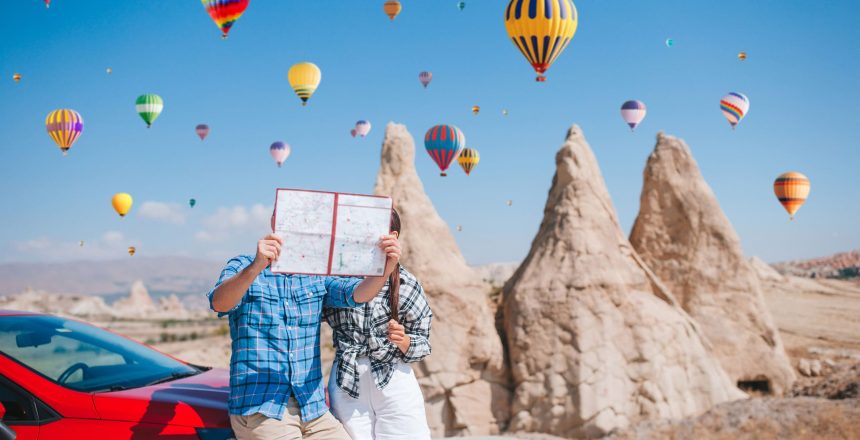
x=149, y=106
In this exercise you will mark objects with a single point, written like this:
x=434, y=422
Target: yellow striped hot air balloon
x=131, y=250
x=65, y=127
x=541, y=29
x=392, y=8
x=742, y=55
x=304, y=79
x=476, y=109
x=468, y=159
x=122, y=203
x=791, y=189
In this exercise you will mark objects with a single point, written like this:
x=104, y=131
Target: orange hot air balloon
x=131, y=251
x=791, y=189
x=476, y=109
x=392, y=8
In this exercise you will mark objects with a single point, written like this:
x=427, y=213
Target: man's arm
x=230, y=292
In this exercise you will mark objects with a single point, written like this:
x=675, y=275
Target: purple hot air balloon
x=202, y=131
x=362, y=128
x=425, y=77
x=280, y=151
x=633, y=112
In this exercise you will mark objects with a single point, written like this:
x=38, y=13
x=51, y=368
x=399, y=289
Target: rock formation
x=464, y=380
x=138, y=303
x=684, y=237
x=44, y=302
x=595, y=341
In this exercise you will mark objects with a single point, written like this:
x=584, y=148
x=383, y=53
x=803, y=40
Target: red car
x=64, y=379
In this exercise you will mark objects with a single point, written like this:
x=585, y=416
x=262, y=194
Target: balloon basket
x=443, y=174
x=223, y=36
x=540, y=78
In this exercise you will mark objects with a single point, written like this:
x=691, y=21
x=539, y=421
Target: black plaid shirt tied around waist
x=363, y=331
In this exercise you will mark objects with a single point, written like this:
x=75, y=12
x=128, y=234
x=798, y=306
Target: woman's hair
x=394, y=278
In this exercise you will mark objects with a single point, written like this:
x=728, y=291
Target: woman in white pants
x=372, y=388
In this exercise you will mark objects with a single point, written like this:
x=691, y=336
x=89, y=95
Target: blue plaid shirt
x=275, y=330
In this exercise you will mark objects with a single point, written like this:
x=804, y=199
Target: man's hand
x=391, y=246
x=397, y=335
x=268, y=250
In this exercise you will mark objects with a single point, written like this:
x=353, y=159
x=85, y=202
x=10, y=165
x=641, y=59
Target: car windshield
x=82, y=357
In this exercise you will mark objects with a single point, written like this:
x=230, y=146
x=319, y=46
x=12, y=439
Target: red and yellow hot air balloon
x=225, y=13
x=392, y=8
x=541, y=29
x=443, y=143
x=791, y=189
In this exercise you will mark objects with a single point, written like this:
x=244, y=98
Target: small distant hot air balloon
x=468, y=159
x=742, y=55
x=425, y=77
x=392, y=8
x=461, y=5
x=443, y=144
x=734, y=106
x=352, y=132
x=65, y=127
x=504, y=112
x=791, y=189
x=16, y=77
x=304, y=79
x=541, y=30
x=131, y=251
x=459, y=228
x=109, y=70
x=476, y=109
x=122, y=203
x=225, y=13
x=192, y=202
x=670, y=42
x=82, y=243
x=362, y=128
x=149, y=106
x=280, y=151
x=202, y=131
x=633, y=113
x=509, y=202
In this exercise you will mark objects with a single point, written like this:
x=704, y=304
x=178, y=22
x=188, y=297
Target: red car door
x=21, y=412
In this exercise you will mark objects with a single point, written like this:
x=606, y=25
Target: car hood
x=198, y=401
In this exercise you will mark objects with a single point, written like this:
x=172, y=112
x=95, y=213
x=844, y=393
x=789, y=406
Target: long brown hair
x=394, y=278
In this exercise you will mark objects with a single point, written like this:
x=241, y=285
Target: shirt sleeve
x=416, y=320
x=234, y=266
x=339, y=292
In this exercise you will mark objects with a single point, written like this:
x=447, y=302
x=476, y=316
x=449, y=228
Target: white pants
x=393, y=413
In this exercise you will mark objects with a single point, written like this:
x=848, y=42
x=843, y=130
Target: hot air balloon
x=459, y=228
x=362, y=128
x=791, y=189
x=425, y=77
x=304, y=79
x=122, y=203
x=202, y=131
x=509, y=202
x=280, y=151
x=742, y=55
x=352, y=132
x=47, y=4
x=392, y=8
x=670, y=42
x=109, y=70
x=82, y=243
x=64, y=126
x=192, y=202
x=149, y=106
x=131, y=251
x=504, y=112
x=468, y=159
x=225, y=13
x=443, y=143
x=633, y=113
x=541, y=29
x=16, y=77
x=476, y=109
x=734, y=107
x=461, y=5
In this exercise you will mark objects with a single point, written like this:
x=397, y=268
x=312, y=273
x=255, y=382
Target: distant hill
x=844, y=265
x=178, y=275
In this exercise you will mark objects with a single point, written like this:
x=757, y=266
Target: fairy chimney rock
x=684, y=236
x=465, y=379
x=595, y=342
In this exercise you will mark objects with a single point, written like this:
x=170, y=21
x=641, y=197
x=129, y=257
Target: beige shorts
x=260, y=427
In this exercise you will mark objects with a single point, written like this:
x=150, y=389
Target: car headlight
x=215, y=434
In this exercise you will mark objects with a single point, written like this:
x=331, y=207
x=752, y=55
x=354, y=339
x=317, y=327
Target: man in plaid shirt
x=276, y=388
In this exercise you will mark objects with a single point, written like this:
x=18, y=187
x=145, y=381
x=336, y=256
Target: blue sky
x=800, y=77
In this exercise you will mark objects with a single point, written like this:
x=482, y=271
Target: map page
x=329, y=233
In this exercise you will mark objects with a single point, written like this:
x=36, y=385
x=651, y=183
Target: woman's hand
x=397, y=335
x=391, y=246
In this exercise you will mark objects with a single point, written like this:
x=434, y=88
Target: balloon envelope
x=225, y=13
x=791, y=189
x=16, y=77
x=633, y=112
x=131, y=250
x=65, y=127
x=280, y=151
x=392, y=8
x=476, y=109
x=122, y=203
x=670, y=42
x=149, y=106
x=734, y=107
x=468, y=159
x=443, y=143
x=304, y=79
x=202, y=131
x=192, y=202
x=425, y=78
x=461, y=5
x=541, y=30
x=742, y=56
x=362, y=128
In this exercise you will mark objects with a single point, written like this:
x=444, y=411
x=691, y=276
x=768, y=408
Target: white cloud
x=231, y=221
x=112, y=244
x=165, y=212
